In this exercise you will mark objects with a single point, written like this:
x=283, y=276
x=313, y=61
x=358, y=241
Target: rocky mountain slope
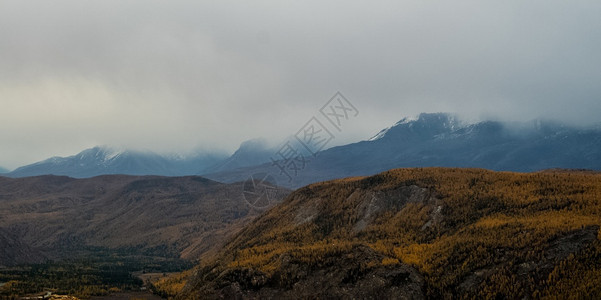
x=441, y=140
x=418, y=233
x=250, y=153
x=429, y=140
x=49, y=216
x=108, y=161
x=105, y=160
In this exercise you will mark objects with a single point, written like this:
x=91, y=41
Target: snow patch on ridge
x=382, y=133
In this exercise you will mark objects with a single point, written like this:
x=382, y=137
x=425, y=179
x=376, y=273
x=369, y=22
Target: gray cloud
x=184, y=75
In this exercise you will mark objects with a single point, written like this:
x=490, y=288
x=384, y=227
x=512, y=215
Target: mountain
x=417, y=233
x=3, y=170
x=53, y=216
x=441, y=140
x=104, y=160
x=429, y=140
x=250, y=153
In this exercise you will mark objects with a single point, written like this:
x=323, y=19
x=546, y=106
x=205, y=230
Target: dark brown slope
x=170, y=216
x=13, y=251
x=419, y=233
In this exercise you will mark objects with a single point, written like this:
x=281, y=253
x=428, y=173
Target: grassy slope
x=468, y=232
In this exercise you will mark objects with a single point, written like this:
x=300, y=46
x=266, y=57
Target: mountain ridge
x=427, y=140
x=251, y=152
x=418, y=233
x=441, y=140
x=50, y=216
x=103, y=160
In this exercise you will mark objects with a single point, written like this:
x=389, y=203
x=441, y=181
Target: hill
x=442, y=140
x=418, y=233
x=50, y=217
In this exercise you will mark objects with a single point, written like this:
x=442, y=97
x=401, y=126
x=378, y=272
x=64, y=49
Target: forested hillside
x=88, y=236
x=419, y=233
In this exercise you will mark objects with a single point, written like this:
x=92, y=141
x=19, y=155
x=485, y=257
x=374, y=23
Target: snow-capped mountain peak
x=102, y=160
x=437, y=123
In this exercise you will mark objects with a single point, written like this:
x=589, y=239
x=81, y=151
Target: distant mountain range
x=104, y=160
x=436, y=139
x=250, y=153
x=442, y=140
x=3, y=170
x=107, y=161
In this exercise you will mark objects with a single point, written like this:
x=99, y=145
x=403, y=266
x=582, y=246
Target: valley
x=87, y=237
x=199, y=150
x=420, y=233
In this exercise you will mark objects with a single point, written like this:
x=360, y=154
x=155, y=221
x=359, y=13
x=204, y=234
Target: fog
x=184, y=76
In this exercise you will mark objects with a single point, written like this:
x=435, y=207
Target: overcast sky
x=177, y=76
